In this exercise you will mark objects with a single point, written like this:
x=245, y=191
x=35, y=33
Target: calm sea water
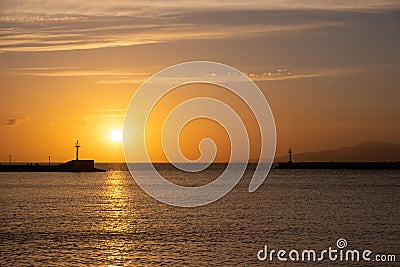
x=81, y=219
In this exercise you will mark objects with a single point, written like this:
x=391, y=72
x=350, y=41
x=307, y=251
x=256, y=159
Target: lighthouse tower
x=77, y=149
x=290, y=155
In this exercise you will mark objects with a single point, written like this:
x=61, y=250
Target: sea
x=106, y=219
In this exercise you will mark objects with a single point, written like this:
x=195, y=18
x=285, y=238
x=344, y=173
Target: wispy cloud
x=98, y=32
x=99, y=76
x=160, y=7
x=32, y=25
x=103, y=114
x=66, y=72
x=15, y=120
x=132, y=77
x=285, y=73
x=121, y=81
x=38, y=18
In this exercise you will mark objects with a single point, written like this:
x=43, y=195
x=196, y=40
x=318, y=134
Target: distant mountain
x=370, y=151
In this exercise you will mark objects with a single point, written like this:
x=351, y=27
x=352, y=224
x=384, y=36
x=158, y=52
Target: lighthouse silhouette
x=77, y=149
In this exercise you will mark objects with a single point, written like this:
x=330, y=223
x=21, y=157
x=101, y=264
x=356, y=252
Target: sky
x=68, y=69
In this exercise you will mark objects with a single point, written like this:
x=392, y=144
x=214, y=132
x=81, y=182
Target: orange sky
x=329, y=71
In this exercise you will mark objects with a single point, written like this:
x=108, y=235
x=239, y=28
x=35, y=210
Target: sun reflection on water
x=116, y=204
x=116, y=223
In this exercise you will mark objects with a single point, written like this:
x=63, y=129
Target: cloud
x=66, y=72
x=28, y=26
x=15, y=120
x=97, y=76
x=107, y=113
x=121, y=81
x=103, y=114
x=126, y=76
x=92, y=32
x=133, y=77
x=163, y=8
x=280, y=74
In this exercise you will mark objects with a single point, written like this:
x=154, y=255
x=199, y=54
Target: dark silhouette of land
x=363, y=152
x=70, y=166
x=76, y=165
x=383, y=165
x=372, y=155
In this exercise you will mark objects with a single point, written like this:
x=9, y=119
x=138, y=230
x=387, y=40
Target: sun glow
x=115, y=135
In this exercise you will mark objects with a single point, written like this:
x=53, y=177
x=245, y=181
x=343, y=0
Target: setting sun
x=115, y=135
